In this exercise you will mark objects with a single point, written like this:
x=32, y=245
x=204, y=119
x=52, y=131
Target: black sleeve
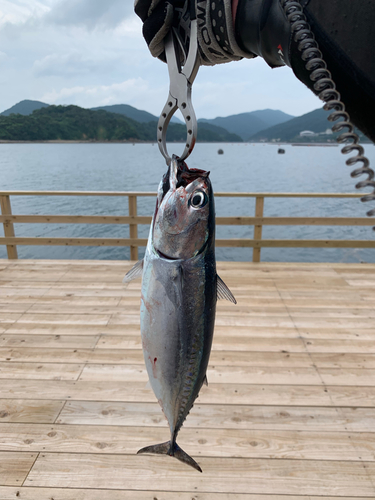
x=345, y=32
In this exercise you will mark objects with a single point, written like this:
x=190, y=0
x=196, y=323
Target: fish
x=180, y=288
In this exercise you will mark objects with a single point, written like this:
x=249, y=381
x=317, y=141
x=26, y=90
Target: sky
x=92, y=53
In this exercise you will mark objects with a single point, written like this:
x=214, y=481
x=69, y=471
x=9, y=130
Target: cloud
x=20, y=11
x=71, y=65
x=249, y=85
x=98, y=95
x=90, y=13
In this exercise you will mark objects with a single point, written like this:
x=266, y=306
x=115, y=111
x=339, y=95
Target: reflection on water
x=124, y=167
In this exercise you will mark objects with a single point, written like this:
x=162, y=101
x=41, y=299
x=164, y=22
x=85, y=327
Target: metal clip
x=181, y=81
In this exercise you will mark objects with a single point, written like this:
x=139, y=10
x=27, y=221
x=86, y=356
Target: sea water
x=139, y=167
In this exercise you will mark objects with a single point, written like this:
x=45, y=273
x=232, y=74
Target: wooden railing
x=133, y=220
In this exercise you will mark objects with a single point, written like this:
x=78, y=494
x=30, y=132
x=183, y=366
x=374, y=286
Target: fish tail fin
x=159, y=449
x=181, y=455
x=173, y=450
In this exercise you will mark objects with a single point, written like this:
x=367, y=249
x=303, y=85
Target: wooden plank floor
x=289, y=413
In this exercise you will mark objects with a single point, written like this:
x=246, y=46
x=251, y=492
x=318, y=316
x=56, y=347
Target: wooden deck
x=289, y=413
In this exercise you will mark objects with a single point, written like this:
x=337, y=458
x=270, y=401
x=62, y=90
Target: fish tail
x=173, y=450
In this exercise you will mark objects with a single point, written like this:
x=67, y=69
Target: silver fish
x=180, y=288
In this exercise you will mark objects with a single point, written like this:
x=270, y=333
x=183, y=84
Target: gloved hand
x=216, y=39
x=158, y=17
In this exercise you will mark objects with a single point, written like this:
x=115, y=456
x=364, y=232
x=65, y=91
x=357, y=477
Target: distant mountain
x=211, y=131
x=133, y=113
x=247, y=124
x=72, y=123
x=315, y=121
x=25, y=108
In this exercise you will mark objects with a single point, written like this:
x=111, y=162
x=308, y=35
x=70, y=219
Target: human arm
x=342, y=28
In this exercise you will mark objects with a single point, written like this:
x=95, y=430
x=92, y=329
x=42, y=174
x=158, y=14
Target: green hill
x=212, y=133
x=74, y=123
x=25, y=107
x=135, y=114
x=126, y=110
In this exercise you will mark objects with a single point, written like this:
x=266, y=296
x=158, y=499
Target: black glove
x=158, y=17
x=216, y=39
x=262, y=28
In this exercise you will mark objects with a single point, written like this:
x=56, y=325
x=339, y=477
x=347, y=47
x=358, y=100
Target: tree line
x=72, y=123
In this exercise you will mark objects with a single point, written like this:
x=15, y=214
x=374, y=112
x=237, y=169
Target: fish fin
x=134, y=273
x=173, y=450
x=223, y=291
x=205, y=381
x=159, y=449
x=148, y=386
x=182, y=456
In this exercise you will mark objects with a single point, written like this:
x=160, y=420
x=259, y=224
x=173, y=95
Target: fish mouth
x=180, y=175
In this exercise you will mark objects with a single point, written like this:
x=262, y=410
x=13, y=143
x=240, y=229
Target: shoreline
x=57, y=141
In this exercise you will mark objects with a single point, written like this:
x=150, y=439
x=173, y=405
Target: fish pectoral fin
x=173, y=450
x=223, y=291
x=134, y=273
x=205, y=381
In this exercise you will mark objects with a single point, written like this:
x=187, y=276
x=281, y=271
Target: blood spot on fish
x=153, y=365
x=146, y=304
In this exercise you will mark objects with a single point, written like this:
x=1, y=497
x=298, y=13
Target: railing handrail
x=153, y=193
x=257, y=243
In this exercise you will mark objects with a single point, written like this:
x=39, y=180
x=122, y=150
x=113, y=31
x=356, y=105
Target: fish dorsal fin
x=134, y=273
x=223, y=291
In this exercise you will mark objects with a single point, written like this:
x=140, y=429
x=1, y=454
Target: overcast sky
x=91, y=53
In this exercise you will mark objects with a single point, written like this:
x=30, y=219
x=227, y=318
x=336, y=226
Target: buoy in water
x=220, y=152
x=281, y=151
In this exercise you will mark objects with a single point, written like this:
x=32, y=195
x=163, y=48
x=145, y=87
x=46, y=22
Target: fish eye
x=198, y=200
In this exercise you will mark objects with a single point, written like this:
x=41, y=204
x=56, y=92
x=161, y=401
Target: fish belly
x=176, y=332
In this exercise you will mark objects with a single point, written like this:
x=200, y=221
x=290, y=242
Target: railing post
x=133, y=228
x=6, y=209
x=259, y=212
